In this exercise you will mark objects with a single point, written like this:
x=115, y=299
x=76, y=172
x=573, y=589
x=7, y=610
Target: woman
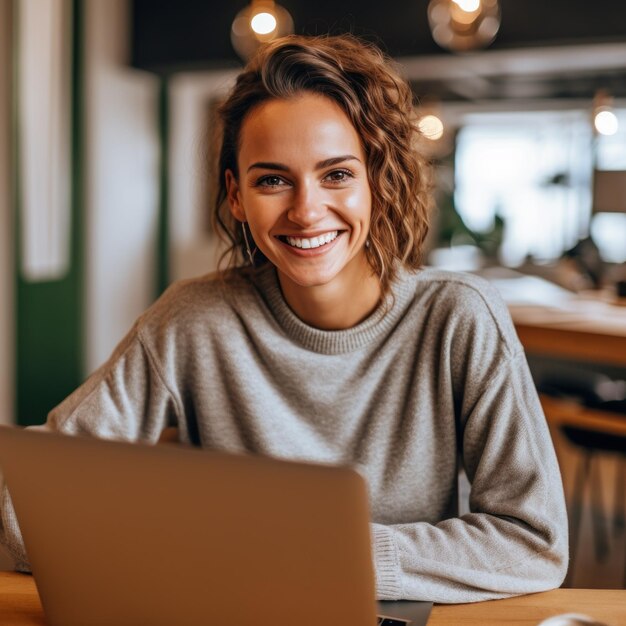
x=328, y=342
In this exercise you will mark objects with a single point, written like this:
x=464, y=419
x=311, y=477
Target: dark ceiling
x=545, y=49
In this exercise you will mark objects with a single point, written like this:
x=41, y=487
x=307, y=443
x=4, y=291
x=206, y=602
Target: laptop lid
x=121, y=533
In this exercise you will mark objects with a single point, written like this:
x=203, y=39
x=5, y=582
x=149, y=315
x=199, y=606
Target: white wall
x=122, y=159
x=7, y=325
x=194, y=250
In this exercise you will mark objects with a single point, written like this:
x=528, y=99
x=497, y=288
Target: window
x=534, y=169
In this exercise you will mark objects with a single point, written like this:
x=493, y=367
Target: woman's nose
x=308, y=206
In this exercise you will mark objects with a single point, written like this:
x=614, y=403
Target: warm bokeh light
x=463, y=25
x=431, y=127
x=462, y=18
x=468, y=5
x=606, y=122
x=259, y=23
x=263, y=23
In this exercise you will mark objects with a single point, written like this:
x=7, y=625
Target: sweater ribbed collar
x=378, y=323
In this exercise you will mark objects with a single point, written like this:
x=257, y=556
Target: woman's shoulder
x=185, y=302
x=455, y=285
x=466, y=299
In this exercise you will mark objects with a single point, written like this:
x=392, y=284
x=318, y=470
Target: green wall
x=49, y=315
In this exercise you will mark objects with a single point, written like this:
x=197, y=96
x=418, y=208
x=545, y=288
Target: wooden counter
x=20, y=606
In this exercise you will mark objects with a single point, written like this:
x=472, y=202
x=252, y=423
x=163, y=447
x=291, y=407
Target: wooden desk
x=20, y=606
x=608, y=606
x=585, y=330
x=581, y=329
x=551, y=321
x=19, y=601
x=555, y=336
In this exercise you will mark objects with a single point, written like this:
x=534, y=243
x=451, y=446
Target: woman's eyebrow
x=268, y=165
x=334, y=161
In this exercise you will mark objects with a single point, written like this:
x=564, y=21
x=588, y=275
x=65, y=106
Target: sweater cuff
x=386, y=564
x=10, y=534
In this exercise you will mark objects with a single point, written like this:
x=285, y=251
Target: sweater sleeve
x=126, y=399
x=514, y=540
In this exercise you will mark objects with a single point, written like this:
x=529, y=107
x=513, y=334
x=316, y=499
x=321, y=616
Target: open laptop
x=121, y=533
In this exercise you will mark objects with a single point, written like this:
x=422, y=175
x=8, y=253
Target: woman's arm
x=125, y=399
x=514, y=540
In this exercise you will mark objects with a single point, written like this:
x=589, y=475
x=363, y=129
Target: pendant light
x=605, y=121
x=463, y=25
x=258, y=23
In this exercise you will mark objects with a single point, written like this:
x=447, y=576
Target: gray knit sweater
x=436, y=382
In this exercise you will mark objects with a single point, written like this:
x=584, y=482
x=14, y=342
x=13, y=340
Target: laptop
x=122, y=533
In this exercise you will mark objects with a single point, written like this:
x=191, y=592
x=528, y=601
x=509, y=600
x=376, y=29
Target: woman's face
x=303, y=190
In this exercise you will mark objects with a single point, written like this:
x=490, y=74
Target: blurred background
x=106, y=120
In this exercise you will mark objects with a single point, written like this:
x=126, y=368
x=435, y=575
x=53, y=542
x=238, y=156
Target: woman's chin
x=308, y=278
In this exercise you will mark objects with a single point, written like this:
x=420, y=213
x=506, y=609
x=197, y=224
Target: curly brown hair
x=378, y=102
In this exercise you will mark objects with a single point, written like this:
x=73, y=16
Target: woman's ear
x=234, y=197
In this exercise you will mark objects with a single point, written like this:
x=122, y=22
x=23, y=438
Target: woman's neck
x=343, y=303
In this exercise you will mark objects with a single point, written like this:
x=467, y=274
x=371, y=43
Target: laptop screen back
x=122, y=533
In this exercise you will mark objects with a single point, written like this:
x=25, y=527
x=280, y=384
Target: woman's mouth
x=306, y=243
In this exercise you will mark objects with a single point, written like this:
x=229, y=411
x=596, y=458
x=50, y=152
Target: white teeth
x=312, y=242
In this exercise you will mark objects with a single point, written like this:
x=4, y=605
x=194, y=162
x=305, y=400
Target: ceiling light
x=258, y=23
x=605, y=122
x=604, y=119
x=436, y=138
x=461, y=25
x=468, y=5
x=263, y=23
x=431, y=127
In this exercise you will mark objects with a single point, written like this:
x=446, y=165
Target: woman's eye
x=339, y=176
x=270, y=181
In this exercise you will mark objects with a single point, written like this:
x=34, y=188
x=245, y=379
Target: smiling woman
x=325, y=340
x=304, y=194
x=302, y=93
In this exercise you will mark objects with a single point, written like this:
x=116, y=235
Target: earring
x=245, y=238
x=367, y=243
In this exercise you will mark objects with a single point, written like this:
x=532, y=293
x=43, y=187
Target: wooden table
x=584, y=328
x=555, y=335
x=20, y=606
x=608, y=606
x=553, y=322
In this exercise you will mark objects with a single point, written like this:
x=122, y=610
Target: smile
x=310, y=242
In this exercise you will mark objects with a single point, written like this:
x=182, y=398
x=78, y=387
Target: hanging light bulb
x=435, y=140
x=605, y=121
x=461, y=25
x=263, y=23
x=258, y=23
x=468, y=5
x=431, y=127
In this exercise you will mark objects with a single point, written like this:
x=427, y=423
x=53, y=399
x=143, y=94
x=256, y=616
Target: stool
x=592, y=431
